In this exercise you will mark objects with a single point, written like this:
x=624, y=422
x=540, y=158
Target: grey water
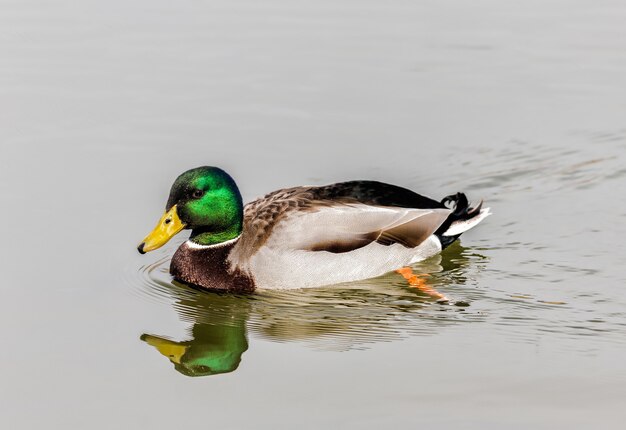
x=523, y=104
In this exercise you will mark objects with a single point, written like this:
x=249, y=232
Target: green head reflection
x=213, y=350
x=218, y=335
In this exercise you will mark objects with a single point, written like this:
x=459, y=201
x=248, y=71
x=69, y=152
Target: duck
x=302, y=237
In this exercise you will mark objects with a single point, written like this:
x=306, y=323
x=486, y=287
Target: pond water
x=103, y=104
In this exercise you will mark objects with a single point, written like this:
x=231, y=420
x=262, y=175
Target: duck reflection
x=339, y=317
x=218, y=333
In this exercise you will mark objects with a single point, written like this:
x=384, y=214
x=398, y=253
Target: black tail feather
x=461, y=210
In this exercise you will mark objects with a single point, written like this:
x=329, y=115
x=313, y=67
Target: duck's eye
x=197, y=194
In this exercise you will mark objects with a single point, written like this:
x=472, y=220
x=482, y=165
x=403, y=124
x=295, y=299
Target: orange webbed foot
x=418, y=281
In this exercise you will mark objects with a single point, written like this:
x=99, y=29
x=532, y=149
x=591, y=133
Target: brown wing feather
x=262, y=215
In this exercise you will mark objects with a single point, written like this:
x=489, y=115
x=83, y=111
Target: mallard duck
x=304, y=236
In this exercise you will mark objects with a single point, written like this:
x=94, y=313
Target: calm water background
x=102, y=104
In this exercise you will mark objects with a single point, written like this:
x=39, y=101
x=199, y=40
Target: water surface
x=103, y=104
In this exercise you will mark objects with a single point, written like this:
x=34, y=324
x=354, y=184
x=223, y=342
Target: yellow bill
x=172, y=350
x=168, y=226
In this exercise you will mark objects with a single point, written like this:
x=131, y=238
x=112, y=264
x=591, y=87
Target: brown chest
x=208, y=267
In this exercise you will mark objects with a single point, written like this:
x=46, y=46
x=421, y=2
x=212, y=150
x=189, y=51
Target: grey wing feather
x=348, y=226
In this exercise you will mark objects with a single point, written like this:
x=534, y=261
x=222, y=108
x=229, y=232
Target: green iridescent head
x=205, y=200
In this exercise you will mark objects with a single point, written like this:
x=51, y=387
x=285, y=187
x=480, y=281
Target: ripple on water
x=152, y=280
x=338, y=317
x=384, y=309
x=583, y=160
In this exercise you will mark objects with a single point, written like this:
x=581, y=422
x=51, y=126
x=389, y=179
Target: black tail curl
x=461, y=210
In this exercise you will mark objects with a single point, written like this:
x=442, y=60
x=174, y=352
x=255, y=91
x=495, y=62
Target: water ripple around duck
x=339, y=317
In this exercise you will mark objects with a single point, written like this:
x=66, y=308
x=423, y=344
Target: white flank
x=274, y=269
x=459, y=227
x=426, y=249
x=284, y=262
